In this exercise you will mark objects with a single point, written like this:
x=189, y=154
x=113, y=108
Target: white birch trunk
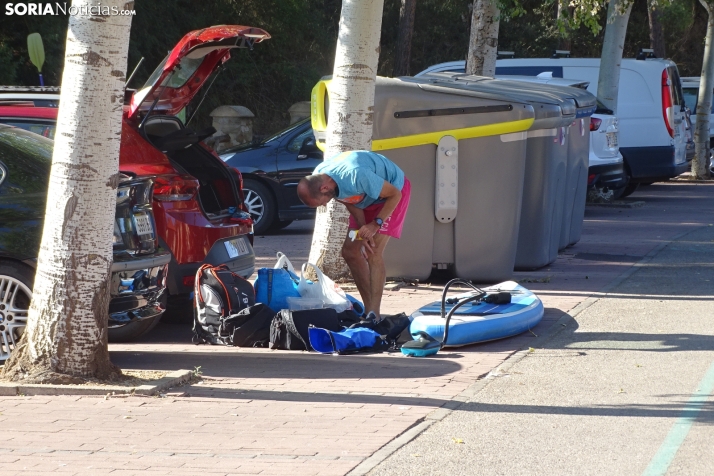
x=350, y=118
x=483, y=41
x=618, y=14
x=67, y=324
x=700, y=163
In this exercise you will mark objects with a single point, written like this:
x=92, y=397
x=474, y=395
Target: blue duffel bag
x=346, y=341
x=275, y=285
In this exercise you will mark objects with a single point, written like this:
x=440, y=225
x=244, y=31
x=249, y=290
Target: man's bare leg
x=352, y=253
x=377, y=274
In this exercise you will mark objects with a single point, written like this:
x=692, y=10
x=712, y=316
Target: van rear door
x=673, y=111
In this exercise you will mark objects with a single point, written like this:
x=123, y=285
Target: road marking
x=664, y=457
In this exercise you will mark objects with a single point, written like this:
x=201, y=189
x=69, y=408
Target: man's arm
x=357, y=213
x=392, y=196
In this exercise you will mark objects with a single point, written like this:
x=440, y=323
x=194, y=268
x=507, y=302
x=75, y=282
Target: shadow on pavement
x=197, y=391
x=631, y=341
x=281, y=365
x=705, y=411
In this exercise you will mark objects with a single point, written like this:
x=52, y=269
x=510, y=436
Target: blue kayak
x=479, y=321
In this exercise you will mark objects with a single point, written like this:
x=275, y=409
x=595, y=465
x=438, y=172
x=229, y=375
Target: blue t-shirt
x=360, y=176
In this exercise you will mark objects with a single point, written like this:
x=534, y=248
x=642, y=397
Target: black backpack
x=219, y=294
x=289, y=329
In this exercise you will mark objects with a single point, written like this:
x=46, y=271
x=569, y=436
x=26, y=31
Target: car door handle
x=302, y=156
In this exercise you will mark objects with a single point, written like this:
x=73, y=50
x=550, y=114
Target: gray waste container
x=578, y=159
x=546, y=163
x=464, y=153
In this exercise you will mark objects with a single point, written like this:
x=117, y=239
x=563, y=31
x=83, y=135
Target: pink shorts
x=392, y=226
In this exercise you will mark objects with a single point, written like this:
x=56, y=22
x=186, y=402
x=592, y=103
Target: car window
x=690, y=98
x=677, y=96
x=26, y=158
x=281, y=133
x=296, y=144
x=43, y=129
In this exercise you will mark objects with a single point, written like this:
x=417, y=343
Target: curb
x=467, y=395
x=172, y=379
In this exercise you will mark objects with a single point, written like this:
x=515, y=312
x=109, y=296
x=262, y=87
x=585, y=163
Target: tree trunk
x=404, y=39
x=483, y=41
x=350, y=119
x=656, y=32
x=618, y=14
x=66, y=333
x=700, y=162
x=563, y=24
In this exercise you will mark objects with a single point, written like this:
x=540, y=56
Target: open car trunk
x=218, y=193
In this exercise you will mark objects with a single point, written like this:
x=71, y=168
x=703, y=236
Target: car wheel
x=629, y=190
x=15, y=296
x=280, y=224
x=260, y=204
x=600, y=195
x=133, y=330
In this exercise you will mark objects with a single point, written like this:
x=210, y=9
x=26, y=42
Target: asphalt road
x=624, y=389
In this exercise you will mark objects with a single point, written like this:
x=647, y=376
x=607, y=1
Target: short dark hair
x=312, y=184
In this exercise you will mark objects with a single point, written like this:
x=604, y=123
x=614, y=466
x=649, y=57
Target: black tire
x=133, y=330
x=645, y=184
x=261, y=205
x=629, y=190
x=280, y=224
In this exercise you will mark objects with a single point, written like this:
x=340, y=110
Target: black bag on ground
x=218, y=294
x=251, y=326
x=390, y=326
x=289, y=329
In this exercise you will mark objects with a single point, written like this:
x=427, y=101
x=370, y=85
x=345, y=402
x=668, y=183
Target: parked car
x=271, y=170
x=690, y=90
x=197, y=200
x=651, y=109
x=138, y=279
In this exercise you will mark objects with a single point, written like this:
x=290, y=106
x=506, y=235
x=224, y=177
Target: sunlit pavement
x=275, y=412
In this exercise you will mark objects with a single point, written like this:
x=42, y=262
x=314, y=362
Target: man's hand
x=367, y=233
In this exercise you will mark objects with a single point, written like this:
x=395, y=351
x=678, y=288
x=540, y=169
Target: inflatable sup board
x=479, y=321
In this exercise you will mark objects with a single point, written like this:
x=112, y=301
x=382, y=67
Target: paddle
x=37, y=53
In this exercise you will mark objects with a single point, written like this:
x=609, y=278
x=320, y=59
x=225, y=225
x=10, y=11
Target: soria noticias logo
x=57, y=8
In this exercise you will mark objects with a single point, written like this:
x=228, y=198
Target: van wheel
x=260, y=204
x=629, y=190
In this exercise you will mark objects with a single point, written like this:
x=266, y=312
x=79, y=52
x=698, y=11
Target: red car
x=198, y=199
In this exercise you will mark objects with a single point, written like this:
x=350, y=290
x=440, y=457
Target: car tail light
x=188, y=280
x=595, y=123
x=171, y=188
x=238, y=176
x=667, y=108
x=591, y=179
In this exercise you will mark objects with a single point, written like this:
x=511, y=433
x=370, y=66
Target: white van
x=653, y=134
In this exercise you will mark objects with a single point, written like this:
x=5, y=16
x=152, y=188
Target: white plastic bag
x=324, y=289
x=283, y=262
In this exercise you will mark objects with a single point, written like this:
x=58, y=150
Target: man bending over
x=376, y=193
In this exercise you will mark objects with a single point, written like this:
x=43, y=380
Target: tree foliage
x=282, y=71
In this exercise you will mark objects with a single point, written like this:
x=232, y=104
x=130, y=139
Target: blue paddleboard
x=479, y=321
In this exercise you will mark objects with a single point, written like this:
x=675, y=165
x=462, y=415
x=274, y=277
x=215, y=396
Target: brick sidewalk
x=275, y=412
